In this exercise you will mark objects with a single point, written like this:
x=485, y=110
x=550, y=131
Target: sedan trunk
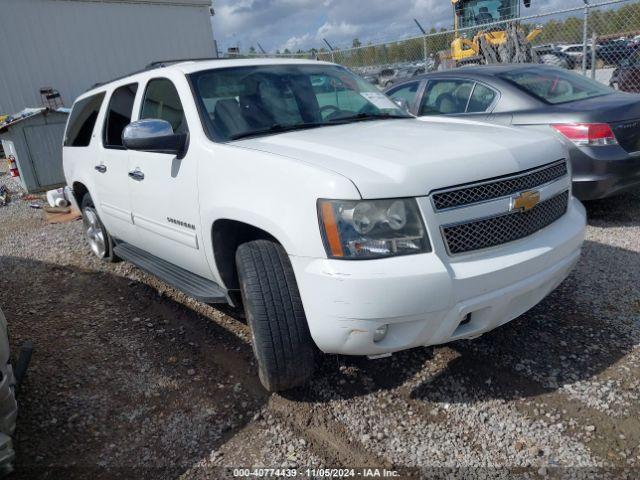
x=620, y=110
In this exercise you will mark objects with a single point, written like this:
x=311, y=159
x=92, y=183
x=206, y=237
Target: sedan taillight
x=587, y=134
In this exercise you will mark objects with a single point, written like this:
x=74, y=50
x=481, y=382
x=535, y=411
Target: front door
x=163, y=188
x=112, y=166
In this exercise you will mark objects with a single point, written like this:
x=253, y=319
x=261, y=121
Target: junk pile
x=59, y=209
x=4, y=195
x=8, y=120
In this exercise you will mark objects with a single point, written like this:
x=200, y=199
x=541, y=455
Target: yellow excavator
x=487, y=31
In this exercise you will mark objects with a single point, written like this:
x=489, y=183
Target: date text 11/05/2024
x=312, y=473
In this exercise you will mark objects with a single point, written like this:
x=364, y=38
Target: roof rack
x=164, y=63
x=159, y=64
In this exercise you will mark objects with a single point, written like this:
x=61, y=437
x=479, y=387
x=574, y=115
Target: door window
x=406, y=92
x=82, y=120
x=161, y=101
x=119, y=115
x=481, y=99
x=446, y=97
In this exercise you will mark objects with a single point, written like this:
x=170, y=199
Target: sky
x=302, y=24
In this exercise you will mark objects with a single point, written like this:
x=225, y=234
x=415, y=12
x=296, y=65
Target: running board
x=193, y=285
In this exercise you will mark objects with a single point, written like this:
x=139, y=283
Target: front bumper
x=424, y=298
x=600, y=172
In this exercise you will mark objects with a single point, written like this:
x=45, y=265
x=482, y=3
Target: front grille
x=489, y=232
x=481, y=192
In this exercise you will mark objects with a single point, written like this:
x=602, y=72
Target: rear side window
x=119, y=115
x=161, y=101
x=82, y=120
x=481, y=99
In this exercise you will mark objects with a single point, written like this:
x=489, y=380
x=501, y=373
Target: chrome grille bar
x=470, y=194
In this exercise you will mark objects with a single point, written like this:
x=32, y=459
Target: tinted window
x=82, y=120
x=481, y=99
x=161, y=100
x=259, y=100
x=555, y=85
x=445, y=97
x=406, y=92
x=119, y=115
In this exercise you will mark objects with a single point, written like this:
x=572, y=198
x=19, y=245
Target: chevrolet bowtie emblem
x=525, y=201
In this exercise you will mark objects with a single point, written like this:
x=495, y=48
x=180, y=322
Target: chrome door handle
x=101, y=168
x=136, y=175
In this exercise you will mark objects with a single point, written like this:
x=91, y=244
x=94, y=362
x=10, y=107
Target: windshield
x=472, y=13
x=555, y=85
x=259, y=100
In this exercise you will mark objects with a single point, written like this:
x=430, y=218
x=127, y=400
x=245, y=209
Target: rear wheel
x=280, y=334
x=99, y=240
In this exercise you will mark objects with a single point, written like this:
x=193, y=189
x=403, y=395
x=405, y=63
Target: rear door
x=113, y=165
x=164, y=193
x=457, y=97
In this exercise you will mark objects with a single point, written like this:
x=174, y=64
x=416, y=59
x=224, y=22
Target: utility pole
x=585, y=33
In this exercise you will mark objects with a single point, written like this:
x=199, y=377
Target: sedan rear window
x=554, y=85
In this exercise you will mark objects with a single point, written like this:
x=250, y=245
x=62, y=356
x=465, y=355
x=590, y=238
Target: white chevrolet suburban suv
x=299, y=193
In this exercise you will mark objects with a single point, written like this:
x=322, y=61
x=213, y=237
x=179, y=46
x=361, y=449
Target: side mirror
x=402, y=103
x=154, y=135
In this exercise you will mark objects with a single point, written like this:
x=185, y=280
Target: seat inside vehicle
x=228, y=118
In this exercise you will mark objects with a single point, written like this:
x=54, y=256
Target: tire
x=280, y=334
x=100, y=242
x=555, y=61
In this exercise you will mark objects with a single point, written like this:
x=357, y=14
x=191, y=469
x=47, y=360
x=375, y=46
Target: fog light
x=380, y=333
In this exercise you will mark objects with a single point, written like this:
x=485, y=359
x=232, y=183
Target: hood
x=396, y=158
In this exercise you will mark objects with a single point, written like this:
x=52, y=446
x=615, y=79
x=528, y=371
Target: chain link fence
x=601, y=40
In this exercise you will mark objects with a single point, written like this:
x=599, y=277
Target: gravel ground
x=131, y=379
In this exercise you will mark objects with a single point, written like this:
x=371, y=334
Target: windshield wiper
x=276, y=128
x=367, y=116
x=280, y=128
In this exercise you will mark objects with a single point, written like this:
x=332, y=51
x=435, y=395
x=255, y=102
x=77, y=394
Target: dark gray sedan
x=600, y=126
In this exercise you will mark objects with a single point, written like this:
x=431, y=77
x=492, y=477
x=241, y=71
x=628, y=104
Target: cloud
x=302, y=24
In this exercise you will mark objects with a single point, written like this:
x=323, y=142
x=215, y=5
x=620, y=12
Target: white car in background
x=574, y=50
x=339, y=223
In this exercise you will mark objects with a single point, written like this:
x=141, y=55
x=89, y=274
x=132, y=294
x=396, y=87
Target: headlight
x=353, y=229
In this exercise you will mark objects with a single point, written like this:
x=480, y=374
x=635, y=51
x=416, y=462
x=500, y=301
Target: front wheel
x=280, y=334
x=99, y=240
